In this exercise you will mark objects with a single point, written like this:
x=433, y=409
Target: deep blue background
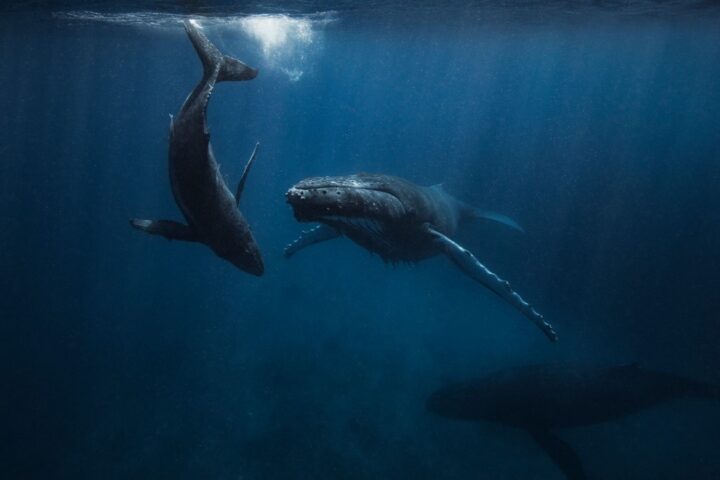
x=125, y=356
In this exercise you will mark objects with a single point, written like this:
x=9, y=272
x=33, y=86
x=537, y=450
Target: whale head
x=354, y=202
x=246, y=257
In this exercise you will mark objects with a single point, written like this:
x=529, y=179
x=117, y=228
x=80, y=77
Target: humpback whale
x=400, y=221
x=210, y=209
x=541, y=398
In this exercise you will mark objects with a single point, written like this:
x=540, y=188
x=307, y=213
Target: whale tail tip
x=231, y=69
x=496, y=217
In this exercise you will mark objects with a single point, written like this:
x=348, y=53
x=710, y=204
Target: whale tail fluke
x=496, y=217
x=468, y=212
x=231, y=69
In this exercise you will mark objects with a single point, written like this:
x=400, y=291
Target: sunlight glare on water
x=276, y=31
x=286, y=42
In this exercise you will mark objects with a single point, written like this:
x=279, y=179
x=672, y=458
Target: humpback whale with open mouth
x=541, y=398
x=400, y=221
x=209, y=207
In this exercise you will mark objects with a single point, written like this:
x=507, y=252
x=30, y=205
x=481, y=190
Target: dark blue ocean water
x=122, y=356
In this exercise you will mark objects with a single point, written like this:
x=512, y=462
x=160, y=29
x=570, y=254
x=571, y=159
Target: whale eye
x=324, y=192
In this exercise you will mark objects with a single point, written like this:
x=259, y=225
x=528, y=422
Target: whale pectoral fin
x=243, y=177
x=560, y=452
x=470, y=265
x=166, y=228
x=315, y=235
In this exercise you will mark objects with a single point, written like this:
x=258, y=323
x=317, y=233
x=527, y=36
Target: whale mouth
x=369, y=225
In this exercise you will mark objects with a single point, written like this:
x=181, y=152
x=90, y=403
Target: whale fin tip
x=497, y=217
x=165, y=228
x=243, y=177
x=560, y=452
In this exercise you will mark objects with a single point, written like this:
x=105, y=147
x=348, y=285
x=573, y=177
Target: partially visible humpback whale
x=541, y=398
x=400, y=221
x=210, y=209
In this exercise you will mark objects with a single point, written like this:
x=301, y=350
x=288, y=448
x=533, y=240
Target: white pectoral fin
x=315, y=235
x=470, y=265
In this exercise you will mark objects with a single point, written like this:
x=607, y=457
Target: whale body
x=209, y=207
x=401, y=222
x=541, y=398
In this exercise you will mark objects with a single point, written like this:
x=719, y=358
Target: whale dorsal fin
x=560, y=452
x=243, y=177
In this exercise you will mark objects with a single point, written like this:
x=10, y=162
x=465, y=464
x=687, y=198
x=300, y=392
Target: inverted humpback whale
x=541, y=398
x=210, y=209
x=400, y=221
